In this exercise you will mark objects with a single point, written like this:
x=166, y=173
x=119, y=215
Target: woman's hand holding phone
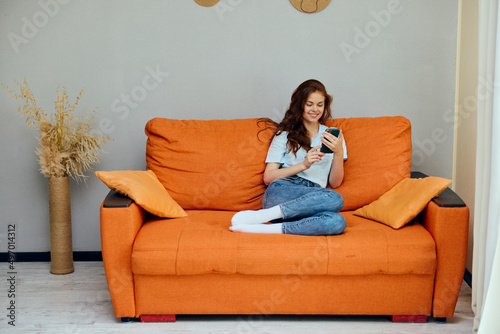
x=332, y=141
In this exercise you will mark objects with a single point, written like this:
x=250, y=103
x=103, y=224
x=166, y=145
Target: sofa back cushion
x=219, y=164
x=215, y=164
x=378, y=157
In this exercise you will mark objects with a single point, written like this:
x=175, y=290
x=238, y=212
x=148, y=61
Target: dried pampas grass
x=67, y=144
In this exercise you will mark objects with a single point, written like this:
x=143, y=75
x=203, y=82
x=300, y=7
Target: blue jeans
x=307, y=208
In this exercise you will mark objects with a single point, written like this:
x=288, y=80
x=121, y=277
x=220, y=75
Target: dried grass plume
x=67, y=144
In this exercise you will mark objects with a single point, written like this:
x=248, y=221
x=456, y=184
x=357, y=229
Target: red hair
x=292, y=121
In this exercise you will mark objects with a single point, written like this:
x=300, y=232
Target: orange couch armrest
x=121, y=220
x=446, y=218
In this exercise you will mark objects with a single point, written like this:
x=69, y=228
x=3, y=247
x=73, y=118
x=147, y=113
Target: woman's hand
x=333, y=143
x=313, y=155
x=337, y=170
x=274, y=172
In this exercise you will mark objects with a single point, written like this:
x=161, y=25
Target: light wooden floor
x=80, y=303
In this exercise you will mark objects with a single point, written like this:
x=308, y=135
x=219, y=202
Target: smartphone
x=333, y=131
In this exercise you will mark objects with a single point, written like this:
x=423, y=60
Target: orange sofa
x=157, y=268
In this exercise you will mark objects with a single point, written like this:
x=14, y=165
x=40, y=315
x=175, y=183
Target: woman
x=297, y=173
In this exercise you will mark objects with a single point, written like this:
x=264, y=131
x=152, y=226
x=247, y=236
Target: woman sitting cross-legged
x=296, y=200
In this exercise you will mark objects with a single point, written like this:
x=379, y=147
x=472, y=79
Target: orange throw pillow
x=145, y=189
x=404, y=201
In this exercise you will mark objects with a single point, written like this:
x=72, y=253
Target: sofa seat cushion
x=202, y=244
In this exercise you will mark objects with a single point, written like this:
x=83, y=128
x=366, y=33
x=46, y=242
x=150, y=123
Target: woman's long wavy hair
x=292, y=121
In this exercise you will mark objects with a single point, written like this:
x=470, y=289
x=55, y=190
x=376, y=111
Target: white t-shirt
x=319, y=171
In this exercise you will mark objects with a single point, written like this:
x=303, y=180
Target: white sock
x=257, y=217
x=257, y=228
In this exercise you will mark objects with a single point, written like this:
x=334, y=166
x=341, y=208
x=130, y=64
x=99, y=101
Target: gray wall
x=235, y=60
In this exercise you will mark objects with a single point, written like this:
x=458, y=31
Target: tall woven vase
x=61, y=243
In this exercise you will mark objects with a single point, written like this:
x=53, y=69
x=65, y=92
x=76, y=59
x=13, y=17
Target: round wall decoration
x=310, y=6
x=206, y=3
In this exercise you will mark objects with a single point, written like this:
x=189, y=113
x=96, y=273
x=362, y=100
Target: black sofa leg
x=126, y=319
x=441, y=320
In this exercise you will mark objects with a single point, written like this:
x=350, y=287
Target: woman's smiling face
x=314, y=107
